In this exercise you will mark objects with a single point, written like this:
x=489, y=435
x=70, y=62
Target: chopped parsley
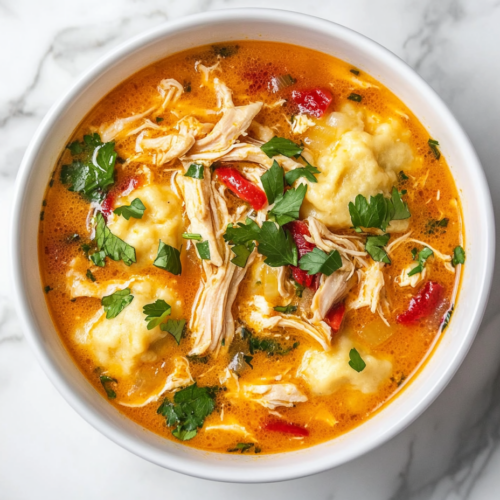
x=458, y=256
x=447, y=317
x=356, y=361
x=267, y=345
x=375, y=248
x=156, y=313
x=225, y=50
x=190, y=408
x=435, y=226
x=277, y=246
x=308, y=172
x=168, y=258
x=106, y=381
x=89, y=275
x=203, y=250
x=319, y=261
x=402, y=176
x=378, y=212
x=47, y=289
x=242, y=447
x=195, y=171
x=423, y=255
x=289, y=309
x=286, y=208
x=433, y=144
x=354, y=71
x=242, y=253
x=175, y=327
x=135, y=209
x=115, y=303
x=111, y=245
x=242, y=233
x=354, y=97
x=159, y=119
x=98, y=258
x=281, y=146
x=194, y=358
x=273, y=182
x=299, y=289
x=92, y=172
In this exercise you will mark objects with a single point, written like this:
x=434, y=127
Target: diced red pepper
x=299, y=229
x=122, y=188
x=242, y=187
x=423, y=304
x=286, y=428
x=335, y=316
x=313, y=102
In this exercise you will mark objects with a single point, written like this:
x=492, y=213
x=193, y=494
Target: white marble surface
x=48, y=451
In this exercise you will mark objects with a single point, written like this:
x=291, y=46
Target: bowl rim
x=91, y=415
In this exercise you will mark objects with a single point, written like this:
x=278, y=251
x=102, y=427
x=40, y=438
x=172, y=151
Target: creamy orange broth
x=247, y=73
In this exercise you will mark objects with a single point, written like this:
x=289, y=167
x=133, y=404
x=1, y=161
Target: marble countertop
x=47, y=451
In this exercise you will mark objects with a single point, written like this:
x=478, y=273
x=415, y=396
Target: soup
x=250, y=247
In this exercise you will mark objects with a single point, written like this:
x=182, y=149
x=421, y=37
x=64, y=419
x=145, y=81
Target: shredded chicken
x=301, y=123
x=273, y=395
x=331, y=291
x=414, y=280
x=261, y=132
x=121, y=127
x=170, y=91
x=180, y=377
x=236, y=428
x=206, y=70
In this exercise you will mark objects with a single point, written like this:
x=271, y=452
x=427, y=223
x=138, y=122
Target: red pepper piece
x=123, y=188
x=299, y=229
x=241, y=187
x=335, y=316
x=423, y=304
x=313, y=102
x=286, y=428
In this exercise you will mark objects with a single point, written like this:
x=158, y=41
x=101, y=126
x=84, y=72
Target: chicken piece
x=197, y=194
x=212, y=320
x=233, y=123
x=272, y=395
x=180, y=377
x=170, y=90
x=332, y=290
x=261, y=132
x=301, y=123
x=121, y=127
x=414, y=280
x=285, y=287
x=206, y=70
x=224, y=95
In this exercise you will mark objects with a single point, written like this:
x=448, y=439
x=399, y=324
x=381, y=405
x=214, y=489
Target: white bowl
x=253, y=24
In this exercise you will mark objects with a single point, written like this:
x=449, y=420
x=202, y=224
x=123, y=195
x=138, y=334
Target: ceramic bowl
x=251, y=24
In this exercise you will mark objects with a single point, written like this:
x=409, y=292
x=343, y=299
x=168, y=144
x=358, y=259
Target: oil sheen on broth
x=202, y=149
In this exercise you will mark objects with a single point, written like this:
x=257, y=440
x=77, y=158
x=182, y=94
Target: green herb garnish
x=354, y=71
x=113, y=247
x=433, y=144
x=203, y=250
x=354, y=97
x=375, y=248
x=289, y=309
x=98, y=258
x=175, y=327
x=281, y=146
x=225, y=50
x=241, y=447
x=458, y=256
x=192, y=236
x=356, y=362
x=286, y=208
x=105, y=381
x=135, y=209
x=277, y=246
x=89, y=275
x=423, y=255
x=195, y=171
x=273, y=182
x=168, y=258
x=156, y=313
x=319, y=261
x=115, y=303
x=242, y=253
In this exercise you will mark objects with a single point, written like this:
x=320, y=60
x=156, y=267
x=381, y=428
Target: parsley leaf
x=195, y=171
x=277, y=245
x=190, y=408
x=402, y=176
x=379, y=212
x=241, y=447
x=447, y=317
x=242, y=233
x=135, y=209
x=423, y=255
x=401, y=210
x=299, y=289
x=242, y=253
x=289, y=309
x=113, y=247
x=286, y=208
x=281, y=146
x=318, y=261
x=168, y=258
x=308, y=172
x=93, y=172
x=203, y=250
x=115, y=303
x=374, y=247
x=356, y=362
x=273, y=183
x=433, y=144
x=175, y=327
x=105, y=381
x=90, y=276
x=99, y=258
x=354, y=97
x=458, y=256
x=156, y=312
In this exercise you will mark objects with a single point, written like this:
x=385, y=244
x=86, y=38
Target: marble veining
x=451, y=452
